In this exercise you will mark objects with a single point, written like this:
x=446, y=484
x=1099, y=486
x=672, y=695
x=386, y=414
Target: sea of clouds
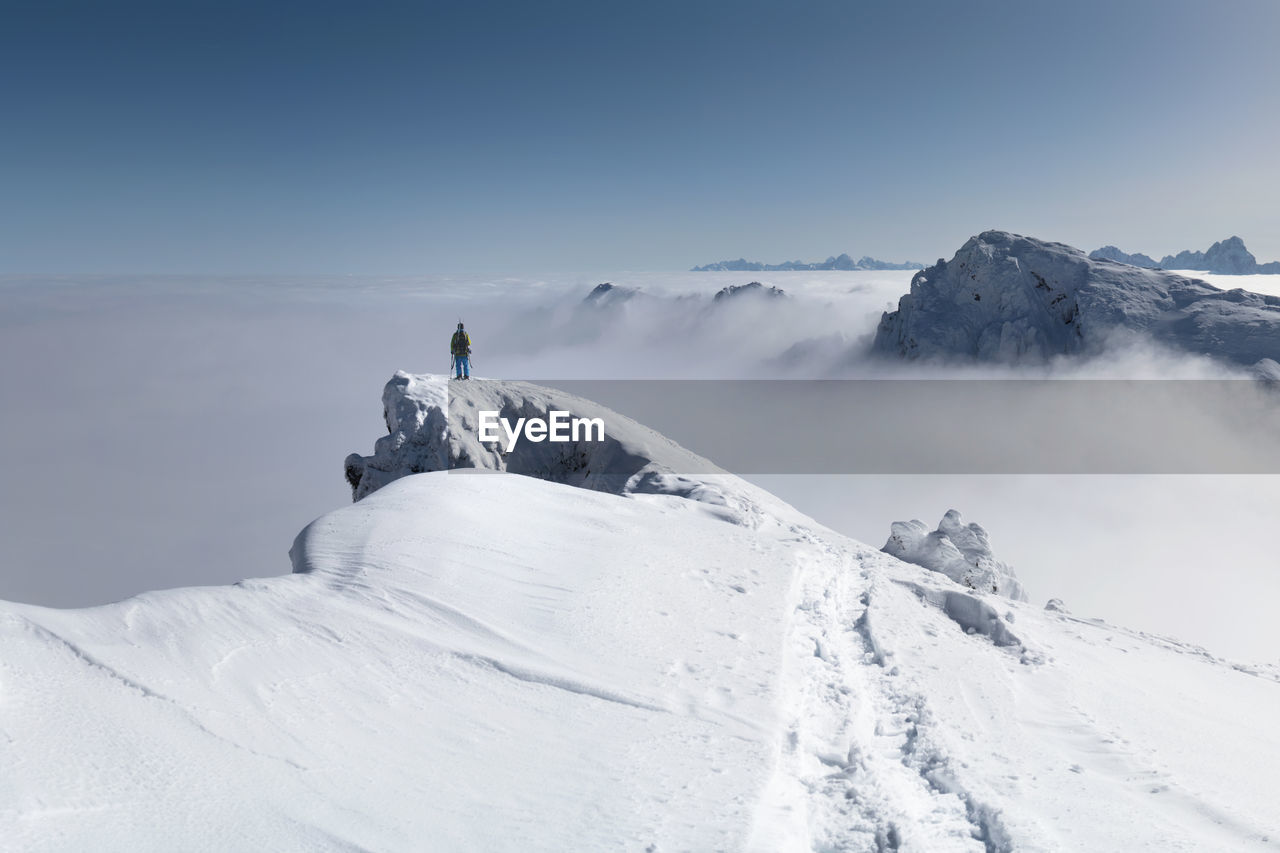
x=170, y=431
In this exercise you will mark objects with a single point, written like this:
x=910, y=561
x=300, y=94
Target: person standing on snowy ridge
x=460, y=349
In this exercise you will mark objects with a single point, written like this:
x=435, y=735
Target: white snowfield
x=476, y=662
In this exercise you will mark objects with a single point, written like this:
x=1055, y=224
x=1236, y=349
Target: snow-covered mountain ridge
x=1007, y=298
x=498, y=662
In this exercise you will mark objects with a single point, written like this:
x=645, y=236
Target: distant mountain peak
x=608, y=293
x=833, y=262
x=751, y=290
x=1225, y=257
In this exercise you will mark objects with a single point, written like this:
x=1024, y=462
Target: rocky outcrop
x=432, y=425
x=1008, y=298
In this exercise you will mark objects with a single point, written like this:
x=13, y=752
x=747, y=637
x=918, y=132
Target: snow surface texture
x=499, y=662
x=1008, y=298
x=960, y=551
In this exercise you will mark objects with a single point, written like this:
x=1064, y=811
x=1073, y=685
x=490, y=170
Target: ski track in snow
x=864, y=762
x=856, y=769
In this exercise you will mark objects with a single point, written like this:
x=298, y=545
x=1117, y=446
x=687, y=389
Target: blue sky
x=401, y=138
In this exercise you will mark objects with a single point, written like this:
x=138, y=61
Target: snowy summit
x=554, y=661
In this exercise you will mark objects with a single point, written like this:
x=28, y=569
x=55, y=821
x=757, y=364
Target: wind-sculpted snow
x=960, y=551
x=1008, y=298
x=503, y=663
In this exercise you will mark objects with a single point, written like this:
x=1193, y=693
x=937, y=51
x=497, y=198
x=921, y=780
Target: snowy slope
x=487, y=661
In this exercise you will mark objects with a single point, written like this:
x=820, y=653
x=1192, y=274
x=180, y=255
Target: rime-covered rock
x=432, y=425
x=960, y=551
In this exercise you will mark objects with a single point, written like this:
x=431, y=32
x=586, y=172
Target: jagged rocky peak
x=960, y=551
x=1225, y=257
x=1008, y=298
x=1231, y=257
x=752, y=290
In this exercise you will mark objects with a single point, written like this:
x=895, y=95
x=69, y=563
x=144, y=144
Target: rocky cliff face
x=1008, y=298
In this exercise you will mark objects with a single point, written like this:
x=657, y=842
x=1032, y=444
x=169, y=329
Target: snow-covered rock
x=960, y=551
x=1004, y=297
x=1268, y=370
x=432, y=425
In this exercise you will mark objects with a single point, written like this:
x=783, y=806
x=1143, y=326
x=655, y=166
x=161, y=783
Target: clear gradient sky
x=401, y=138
